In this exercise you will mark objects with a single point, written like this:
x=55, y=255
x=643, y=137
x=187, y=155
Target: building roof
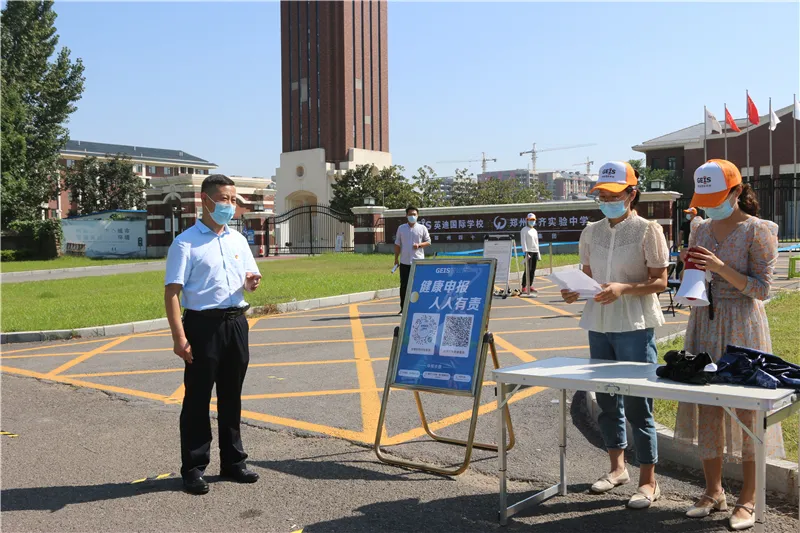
x=136, y=153
x=694, y=133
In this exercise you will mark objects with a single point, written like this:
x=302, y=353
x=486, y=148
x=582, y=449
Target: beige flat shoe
x=738, y=524
x=607, y=482
x=697, y=511
x=641, y=500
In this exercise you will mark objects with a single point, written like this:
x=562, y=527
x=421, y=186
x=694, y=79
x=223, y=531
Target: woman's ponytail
x=748, y=201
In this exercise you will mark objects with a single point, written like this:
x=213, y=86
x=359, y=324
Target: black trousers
x=530, y=266
x=405, y=270
x=220, y=353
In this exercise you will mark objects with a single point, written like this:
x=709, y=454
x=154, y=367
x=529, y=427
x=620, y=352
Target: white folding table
x=634, y=379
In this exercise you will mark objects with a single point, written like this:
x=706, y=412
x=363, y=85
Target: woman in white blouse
x=628, y=256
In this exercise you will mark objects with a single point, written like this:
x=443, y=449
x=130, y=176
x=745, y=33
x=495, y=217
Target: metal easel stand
x=469, y=443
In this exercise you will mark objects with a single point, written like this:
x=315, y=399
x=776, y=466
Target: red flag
x=752, y=112
x=730, y=122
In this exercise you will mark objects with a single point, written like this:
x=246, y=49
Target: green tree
x=105, y=185
x=387, y=184
x=672, y=180
x=464, y=190
x=430, y=188
x=38, y=96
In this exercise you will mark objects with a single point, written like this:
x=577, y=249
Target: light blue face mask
x=689, y=217
x=412, y=219
x=721, y=212
x=531, y=223
x=613, y=209
x=223, y=213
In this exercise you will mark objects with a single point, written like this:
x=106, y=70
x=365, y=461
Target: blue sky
x=464, y=78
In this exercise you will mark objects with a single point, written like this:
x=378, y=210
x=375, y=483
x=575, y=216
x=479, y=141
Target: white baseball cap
x=531, y=216
x=713, y=181
x=616, y=176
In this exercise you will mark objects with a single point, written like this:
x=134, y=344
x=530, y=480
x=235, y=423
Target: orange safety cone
x=261, y=251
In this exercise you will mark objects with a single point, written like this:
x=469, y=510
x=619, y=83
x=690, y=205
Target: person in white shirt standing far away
x=529, y=238
x=409, y=245
x=211, y=266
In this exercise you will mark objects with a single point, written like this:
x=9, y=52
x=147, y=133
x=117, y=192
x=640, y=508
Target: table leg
x=761, y=471
x=562, y=444
x=501, y=453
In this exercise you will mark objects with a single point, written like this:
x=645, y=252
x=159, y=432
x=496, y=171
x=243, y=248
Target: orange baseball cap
x=713, y=181
x=691, y=211
x=616, y=176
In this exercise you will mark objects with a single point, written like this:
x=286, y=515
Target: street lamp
x=657, y=185
x=369, y=200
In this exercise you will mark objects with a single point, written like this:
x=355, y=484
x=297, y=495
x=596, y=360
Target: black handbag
x=686, y=367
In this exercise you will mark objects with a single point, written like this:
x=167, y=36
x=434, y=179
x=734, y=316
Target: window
x=199, y=171
x=654, y=163
x=671, y=163
x=151, y=169
x=183, y=170
x=167, y=171
x=138, y=168
x=191, y=170
x=70, y=163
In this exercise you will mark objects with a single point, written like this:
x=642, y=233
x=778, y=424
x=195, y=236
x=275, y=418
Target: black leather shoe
x=239, y=475
x=195, y=486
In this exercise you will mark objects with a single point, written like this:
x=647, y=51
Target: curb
x=161, y=323
x=782, y=475
x=31, y=273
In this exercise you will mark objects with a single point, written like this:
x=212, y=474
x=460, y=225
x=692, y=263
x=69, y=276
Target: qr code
x=457, y=335
x=423, y=333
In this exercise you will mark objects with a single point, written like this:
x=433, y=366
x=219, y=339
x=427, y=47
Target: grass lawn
x=783, y=313
x=64, y=262
x=93, y=301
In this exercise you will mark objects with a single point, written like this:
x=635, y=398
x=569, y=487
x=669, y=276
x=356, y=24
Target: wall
x=107, y=238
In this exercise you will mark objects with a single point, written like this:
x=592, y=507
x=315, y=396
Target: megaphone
x=693, y=290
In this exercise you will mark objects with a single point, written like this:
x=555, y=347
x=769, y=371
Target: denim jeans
x=636, y=346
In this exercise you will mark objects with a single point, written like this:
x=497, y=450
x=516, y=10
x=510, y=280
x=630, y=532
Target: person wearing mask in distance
x=529, y=238
x=692, y=220
x=409, y=245
x=208, y=269
x=628, y=256
x=738, y=251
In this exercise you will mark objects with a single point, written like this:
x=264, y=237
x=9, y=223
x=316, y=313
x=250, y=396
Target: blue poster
x=446, y=313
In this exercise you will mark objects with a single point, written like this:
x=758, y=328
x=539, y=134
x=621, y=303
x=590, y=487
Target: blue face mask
x=531, y=223
x=721, y=212
x=412, y=219
x=613, y=209
x=223, y=213
x=688, y=217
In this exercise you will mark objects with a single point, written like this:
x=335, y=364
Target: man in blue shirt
x=209, y=267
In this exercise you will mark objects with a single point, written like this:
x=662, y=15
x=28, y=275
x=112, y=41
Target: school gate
x=309, y=230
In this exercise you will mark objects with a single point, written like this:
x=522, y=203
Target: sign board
x=107, y=238
x=443, y=325
x=168, y=225
x=339, y=243
x=500, y=250
x=251, y=236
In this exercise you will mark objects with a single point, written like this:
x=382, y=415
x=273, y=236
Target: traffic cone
x=261, y=251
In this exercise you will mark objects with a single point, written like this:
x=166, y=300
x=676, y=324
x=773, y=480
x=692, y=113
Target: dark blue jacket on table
x=745, y=366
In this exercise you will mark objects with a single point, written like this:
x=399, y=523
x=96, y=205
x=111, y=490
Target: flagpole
x=794, y=167
x=771, y=173
x=726, y=132
x=705, y=134
x=747, y=135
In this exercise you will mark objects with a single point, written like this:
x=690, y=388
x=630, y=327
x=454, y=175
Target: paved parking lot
x=335, y=356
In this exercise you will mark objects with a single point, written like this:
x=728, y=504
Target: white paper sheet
x=576, y=281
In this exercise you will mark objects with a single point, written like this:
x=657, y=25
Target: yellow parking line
x=681, y=311
x=535, y=330
x=28, y=356
x=497, y=319
x=524, y=357
x=460, y=417
x=558, y=310
x=87, y=355
x=6, y=352
x=370, y=401
x=252, y=365
x=304, y=394
x=177, y=396
x=252, y=345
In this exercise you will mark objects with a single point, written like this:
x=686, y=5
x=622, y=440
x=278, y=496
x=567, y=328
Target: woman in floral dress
x=738, y=250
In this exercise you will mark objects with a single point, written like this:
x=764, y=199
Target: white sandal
x=697, y=511
x=738, y=524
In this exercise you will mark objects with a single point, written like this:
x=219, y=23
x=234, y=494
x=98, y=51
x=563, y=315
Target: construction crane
x=588, y=164
x=534, y=152
x=483, y=160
